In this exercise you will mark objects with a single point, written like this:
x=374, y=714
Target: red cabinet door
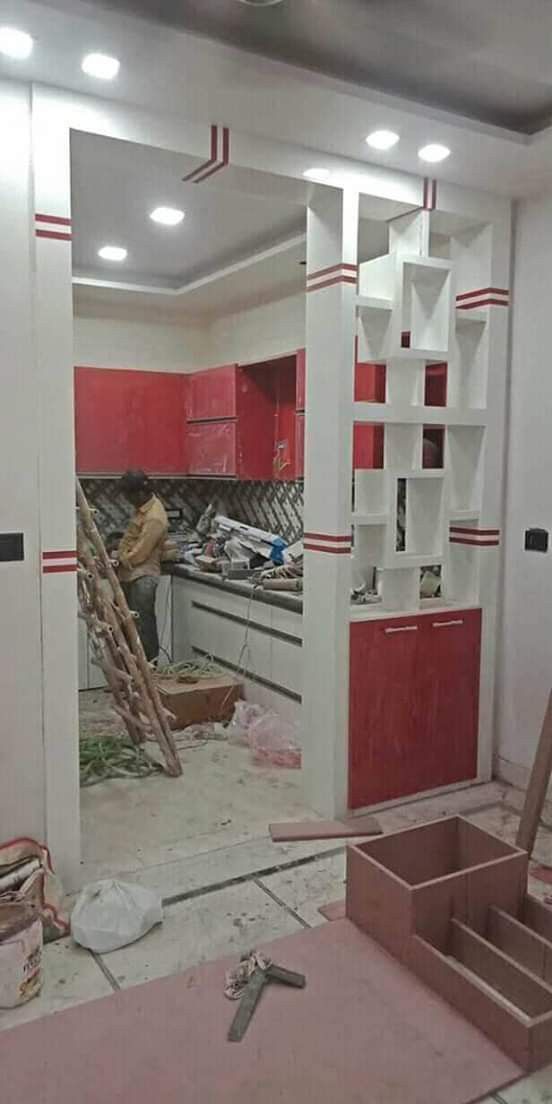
x=384, y=732
x=162, y=447
x=104, y=420
x=212, y=448
x=212, y=393
x=452, y=653
x=300, y=365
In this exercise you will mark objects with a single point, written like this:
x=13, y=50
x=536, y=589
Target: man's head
x=136, y=486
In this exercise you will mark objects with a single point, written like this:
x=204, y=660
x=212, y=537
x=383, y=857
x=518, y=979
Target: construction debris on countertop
x=230, y=548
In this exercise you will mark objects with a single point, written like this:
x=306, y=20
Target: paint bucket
x=20, y=954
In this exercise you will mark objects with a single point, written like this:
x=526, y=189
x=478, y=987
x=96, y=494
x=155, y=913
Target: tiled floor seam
x=282, y=904
x=253, y=875
x=105, y=971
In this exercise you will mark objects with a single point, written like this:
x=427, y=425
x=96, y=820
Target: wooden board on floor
x=335, y=910
x=363, y=1029
x=291, y=831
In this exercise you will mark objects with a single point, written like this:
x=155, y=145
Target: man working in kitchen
x=140, y=554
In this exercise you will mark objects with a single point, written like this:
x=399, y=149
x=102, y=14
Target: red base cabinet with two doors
x=413, y=704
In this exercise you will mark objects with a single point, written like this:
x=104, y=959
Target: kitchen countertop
x=283, y=599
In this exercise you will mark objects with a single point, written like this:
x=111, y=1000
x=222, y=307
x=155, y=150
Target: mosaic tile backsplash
x=276, y=507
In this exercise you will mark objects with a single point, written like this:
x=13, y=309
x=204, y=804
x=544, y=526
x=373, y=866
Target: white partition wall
x=332, y=234
x=437, y=298
x=438, y=295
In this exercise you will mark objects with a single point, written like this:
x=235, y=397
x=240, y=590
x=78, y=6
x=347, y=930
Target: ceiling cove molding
x=204, y=281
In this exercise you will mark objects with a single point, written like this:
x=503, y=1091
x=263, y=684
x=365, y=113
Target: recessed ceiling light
x=15, y=44
x=434, y=152
x=167, y=216
x=317, y=174
x=382, y=139
x=112, y=253
x=101, y=66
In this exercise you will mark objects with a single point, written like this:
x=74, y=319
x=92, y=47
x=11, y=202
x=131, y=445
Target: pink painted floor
x=364, y=1030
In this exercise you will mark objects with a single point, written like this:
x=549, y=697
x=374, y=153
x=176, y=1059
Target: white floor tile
x=536, y=1089
x=305, y=888
x=225, y=922
x=220, y=865
x=70, y=976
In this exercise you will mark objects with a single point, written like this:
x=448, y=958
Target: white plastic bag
x=109, y=914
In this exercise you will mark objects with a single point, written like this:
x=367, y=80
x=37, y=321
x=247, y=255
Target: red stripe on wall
x=213, y=158
x=326, y=536
x=323, y=548
x=52, y=234
x=474, y=543
x=483, y=303
x=332, y=268
x=330, y=283
x=56, y=219
x=482, y=291
x=59, y=555
x=55, y=569
x=462, y=530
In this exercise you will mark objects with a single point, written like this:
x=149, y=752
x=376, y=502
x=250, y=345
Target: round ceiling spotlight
x=434, y=153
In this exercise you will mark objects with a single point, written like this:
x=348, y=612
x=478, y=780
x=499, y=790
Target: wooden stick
x=538, y=785
x=120, y=620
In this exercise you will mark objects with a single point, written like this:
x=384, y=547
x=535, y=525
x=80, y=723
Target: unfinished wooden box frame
x=450, y=901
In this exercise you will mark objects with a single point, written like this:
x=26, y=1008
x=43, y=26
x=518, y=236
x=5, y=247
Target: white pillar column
x=332, y=237
x=54, y=351
x=22, y=806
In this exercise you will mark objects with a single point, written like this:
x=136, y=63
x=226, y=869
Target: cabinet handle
x=402, y=628
x=444, y=624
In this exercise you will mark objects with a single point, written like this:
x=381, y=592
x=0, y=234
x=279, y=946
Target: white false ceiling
x=170, y=71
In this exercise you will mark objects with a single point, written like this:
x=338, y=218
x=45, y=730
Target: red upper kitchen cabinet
x=413, y=704
x=212, y=393
x=238, y=445
x=129, y=419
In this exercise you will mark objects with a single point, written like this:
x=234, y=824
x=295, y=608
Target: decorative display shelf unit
x=410, y=320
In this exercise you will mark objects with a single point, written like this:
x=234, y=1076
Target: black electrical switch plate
x=536, y=540
x=11, y=547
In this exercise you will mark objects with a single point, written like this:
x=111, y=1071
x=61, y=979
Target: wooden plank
x=292, y=830
x=472, y=998
x=538, y=785
x=334, y=910
x=528, y=993
x=364, y=1029
x=518, y=941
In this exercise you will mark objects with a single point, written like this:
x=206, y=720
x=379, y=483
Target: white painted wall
x=526, y=667
x=259, y=332
x=165, y=346
x=22, y=792
x=133, y=343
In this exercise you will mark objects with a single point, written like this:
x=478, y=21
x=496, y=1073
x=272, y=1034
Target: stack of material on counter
x=224, y=546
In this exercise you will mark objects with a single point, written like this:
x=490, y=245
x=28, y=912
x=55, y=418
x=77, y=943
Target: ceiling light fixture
x=317, y=174
x=382, y=139
x=112, y=253
x=167, y=216
x=101, y=66
x=434, y=152
x=15, y=44
x=260, y=3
